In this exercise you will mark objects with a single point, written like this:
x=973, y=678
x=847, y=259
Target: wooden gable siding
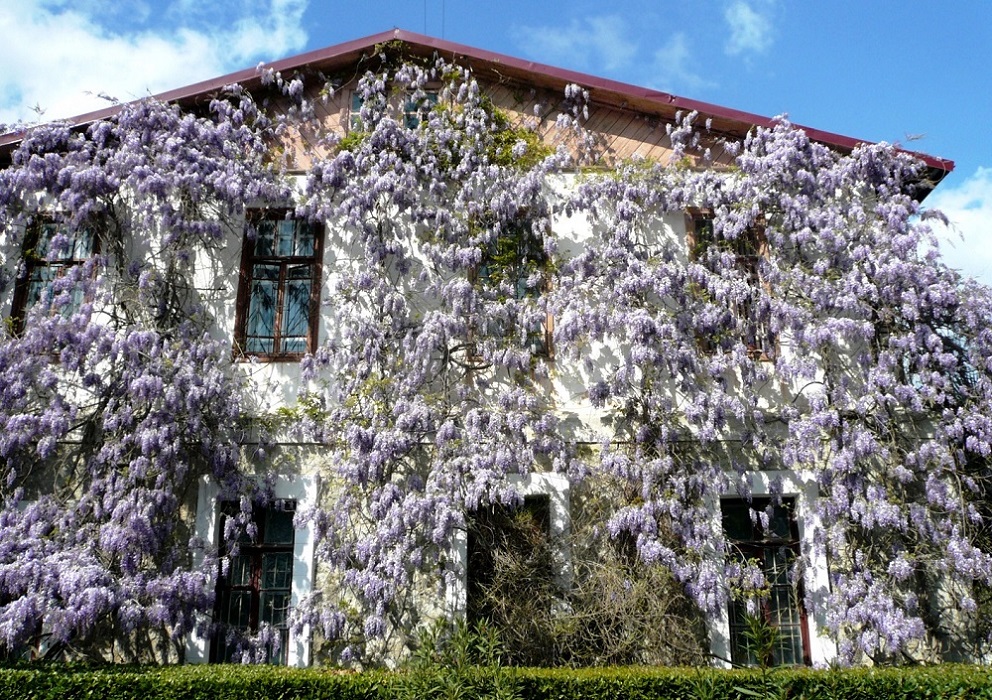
x=621, y=133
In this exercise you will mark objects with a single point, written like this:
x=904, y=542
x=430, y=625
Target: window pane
x=278, y=527
x=304, y=239
x=415, y=111
x=265, y=233
x=286, y=242
x=40, y=281
x=275, y=608
x=82, y=244
x=737, y=524
x=277, y=570
x=239, y=573
x=45, y=235
x=262, y=308
x=296, y=310
x=355, y=114
x=235, y=608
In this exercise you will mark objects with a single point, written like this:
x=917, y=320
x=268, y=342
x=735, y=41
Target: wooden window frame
x=21, y=302
x=255, y=551
x=757, y=546
x=763, y=344
x=477, y=277
x=248, y=262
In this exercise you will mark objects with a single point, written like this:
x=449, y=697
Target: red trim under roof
x=601, y=89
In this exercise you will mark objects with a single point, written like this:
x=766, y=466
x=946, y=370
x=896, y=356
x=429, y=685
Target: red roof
x=602, y=90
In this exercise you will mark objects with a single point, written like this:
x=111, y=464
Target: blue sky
x=914, y=72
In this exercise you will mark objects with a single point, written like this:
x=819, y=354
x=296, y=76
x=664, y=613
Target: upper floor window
x=774, y=549
x=51, y=251
x=517, y=264
x=257, y=588
x=414, y=110
x=355, y=112
x=278, y=296
x=747, y=251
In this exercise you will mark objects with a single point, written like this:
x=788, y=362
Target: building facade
x=281, y=276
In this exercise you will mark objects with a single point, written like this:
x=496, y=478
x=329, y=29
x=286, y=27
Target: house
x=328, y=282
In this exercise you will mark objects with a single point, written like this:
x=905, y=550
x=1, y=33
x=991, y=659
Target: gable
x=631, y=119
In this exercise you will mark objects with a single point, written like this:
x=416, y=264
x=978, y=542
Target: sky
x=913, y=72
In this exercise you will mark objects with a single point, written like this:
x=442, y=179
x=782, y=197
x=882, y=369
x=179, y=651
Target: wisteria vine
x=463, y=303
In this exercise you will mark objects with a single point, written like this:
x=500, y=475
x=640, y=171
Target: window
x=516, y=264
x=534, y=535
x=288, y=490
x=51, y=251
x=775, y=550
x=258, y=586
x=355, y=112
x=747, y=250
x=279, y=288
x=517, y=570
x=415, y=111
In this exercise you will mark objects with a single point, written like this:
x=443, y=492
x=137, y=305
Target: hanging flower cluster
x=115, y=397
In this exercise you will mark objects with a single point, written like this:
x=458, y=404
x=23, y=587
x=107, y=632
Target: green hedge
x=57, y=682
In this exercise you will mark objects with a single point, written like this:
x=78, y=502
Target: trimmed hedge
x=63, y=682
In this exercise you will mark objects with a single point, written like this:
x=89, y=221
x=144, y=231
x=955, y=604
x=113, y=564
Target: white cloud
x=60, y=56
x=967, y=246
x=600, y=42
x=750, y=31
x=672, y=67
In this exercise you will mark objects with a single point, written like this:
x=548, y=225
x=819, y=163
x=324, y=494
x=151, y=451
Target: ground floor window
x=764, y=534
x=256, y=590
x=507, y=548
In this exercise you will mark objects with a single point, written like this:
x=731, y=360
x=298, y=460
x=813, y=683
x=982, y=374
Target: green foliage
x=68, y=682
x=62, y=682
x=457, y=661
x=506, y=136
x=352, y=141
x=308, y=407
x=761, y=638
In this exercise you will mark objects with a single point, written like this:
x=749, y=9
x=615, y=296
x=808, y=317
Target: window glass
x=51, y=252
x=747, y=251
x=355, y=112
x=280, y=276
x=516, y=264
x=278, y=526
x=774, y=549
x=415, y=111
x=258, y=586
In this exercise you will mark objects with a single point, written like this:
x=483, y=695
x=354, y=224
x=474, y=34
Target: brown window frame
x=249, y=260
x=251, y=559
x=22, y=303
x=749, y=250
x=542, y=347
x=759, y=545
